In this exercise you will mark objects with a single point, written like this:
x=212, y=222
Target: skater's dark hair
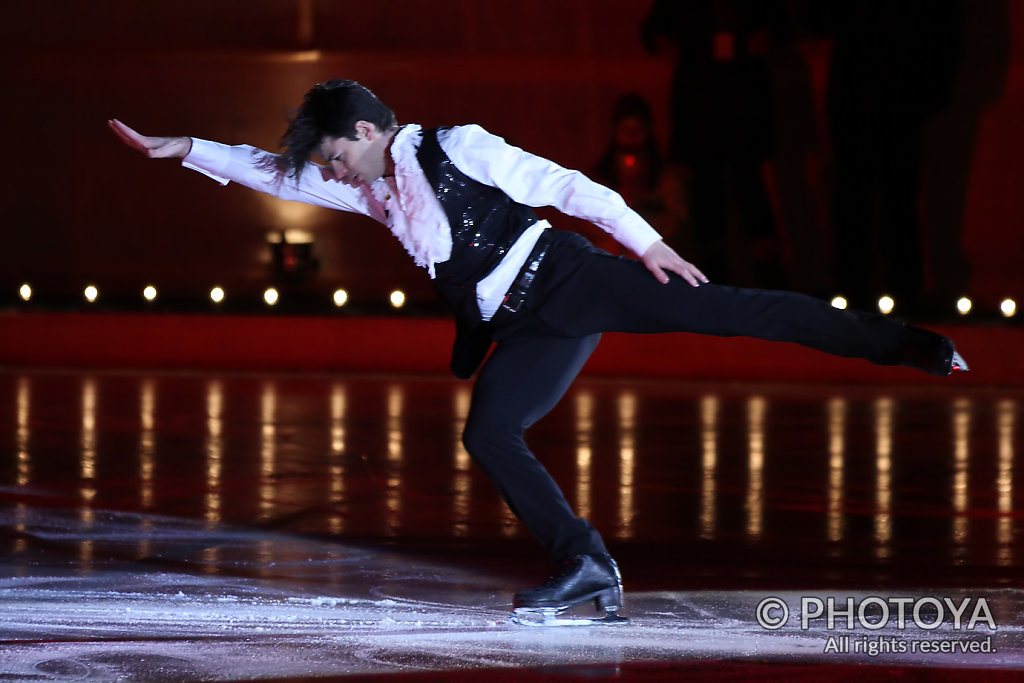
x=330, y=109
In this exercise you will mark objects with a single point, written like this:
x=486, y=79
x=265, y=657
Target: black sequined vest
x=484, y=221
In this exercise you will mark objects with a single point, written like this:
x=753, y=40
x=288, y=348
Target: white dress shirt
x=486, y=158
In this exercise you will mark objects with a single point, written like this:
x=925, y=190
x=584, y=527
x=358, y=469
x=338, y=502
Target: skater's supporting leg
x=522, y=380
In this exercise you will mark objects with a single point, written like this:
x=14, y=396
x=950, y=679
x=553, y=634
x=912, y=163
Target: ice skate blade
x=550, y=617
x=958, y=364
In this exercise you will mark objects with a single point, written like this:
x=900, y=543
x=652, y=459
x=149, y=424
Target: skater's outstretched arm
x=536, y=181
x=253, y=168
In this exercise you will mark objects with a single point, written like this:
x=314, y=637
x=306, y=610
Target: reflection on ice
x=363, y=441
x=214, y=448
x=198, y=528
x=627, y=463
x=584, y=451
x=1005, y=422
x=961, y=453
x=336, y=468
x=836, y=456
x=756, y=407
x=24, y=401
x=268, y=450
x=884, y=411
x=709, y=460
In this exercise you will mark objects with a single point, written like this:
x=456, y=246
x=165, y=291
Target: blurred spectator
x=797, y=181
x=634, y=166
x=949, y=146
x=723, y=129
x=893, y=67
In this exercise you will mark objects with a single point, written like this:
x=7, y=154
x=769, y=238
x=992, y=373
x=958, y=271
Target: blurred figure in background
x=723, y=128
x=893, y=68
x=634, y=166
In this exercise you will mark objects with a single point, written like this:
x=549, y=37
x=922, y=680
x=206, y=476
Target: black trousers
x=580, y=292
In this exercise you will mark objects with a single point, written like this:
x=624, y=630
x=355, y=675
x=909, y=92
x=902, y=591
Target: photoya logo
x=874, y=613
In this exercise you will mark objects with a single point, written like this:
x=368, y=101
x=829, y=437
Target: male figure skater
x=458, y=199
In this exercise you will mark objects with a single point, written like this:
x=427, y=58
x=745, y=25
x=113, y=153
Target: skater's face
x=357, y=162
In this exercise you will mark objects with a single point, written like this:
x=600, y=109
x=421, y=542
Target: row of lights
x=270, y=295
x=886, y=304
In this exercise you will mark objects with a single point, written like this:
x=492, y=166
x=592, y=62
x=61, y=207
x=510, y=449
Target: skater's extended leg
x=608, y=293
x=521, y=382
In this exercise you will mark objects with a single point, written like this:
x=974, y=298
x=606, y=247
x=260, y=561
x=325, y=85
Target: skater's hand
x=660, y=257
x=152, y=147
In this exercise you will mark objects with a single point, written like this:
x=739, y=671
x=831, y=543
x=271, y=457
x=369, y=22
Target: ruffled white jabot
x=414, y=214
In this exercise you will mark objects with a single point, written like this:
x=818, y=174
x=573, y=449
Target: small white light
x=149, y=293
x=291, y=236
x=398, y=298
x=886, y=304
x=25, y=291
x=839, y=302
x=1008, y=307
x=91, y=293
x=963, y=304
x=216, y=295
x=270, y=296
x=340, y=297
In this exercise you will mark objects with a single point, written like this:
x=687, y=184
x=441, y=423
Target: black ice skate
x=931, y=352
x=585, y=577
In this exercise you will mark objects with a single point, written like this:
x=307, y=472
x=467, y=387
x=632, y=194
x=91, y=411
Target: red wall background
x=75, y=205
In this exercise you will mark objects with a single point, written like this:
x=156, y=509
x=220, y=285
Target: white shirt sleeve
x=255, y=169
x=536, y=181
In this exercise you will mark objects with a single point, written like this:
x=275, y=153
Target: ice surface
x=185, y=528
x=123, y=596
